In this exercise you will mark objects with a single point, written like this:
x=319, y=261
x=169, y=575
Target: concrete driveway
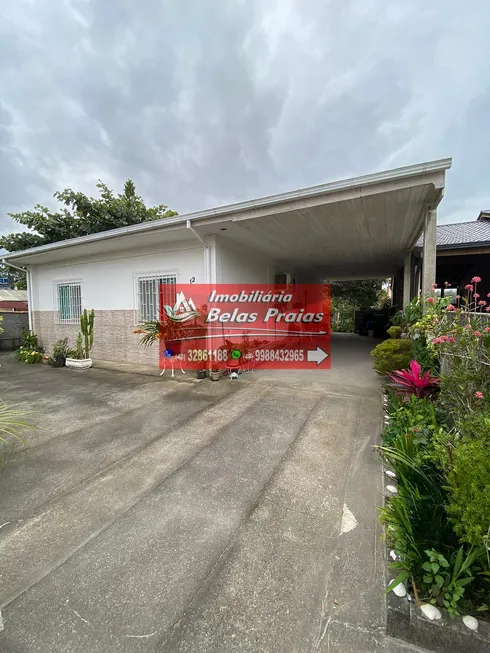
x=149, y=515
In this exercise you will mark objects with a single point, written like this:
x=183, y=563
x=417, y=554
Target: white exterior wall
x=235, y=264
x=108, y=281
x=108, y=285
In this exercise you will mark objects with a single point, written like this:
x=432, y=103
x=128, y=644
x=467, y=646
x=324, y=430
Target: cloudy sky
x=203, y=103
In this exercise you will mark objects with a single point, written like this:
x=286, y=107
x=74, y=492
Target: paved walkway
x=214, y=517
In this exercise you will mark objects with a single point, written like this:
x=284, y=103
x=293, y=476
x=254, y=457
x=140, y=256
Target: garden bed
x=405, y=621
x=435, y=445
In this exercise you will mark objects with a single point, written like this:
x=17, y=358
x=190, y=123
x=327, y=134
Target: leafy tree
x=17, y=279
x=362, y=294
x=81, y=215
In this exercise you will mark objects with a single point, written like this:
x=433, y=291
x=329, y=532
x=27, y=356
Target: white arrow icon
x=316, y=355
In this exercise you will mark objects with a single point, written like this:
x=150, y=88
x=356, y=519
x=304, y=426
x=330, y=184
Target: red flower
x=430, y=300
x=479, y=395
x=477, y=334
x=476, y=280
x=451, y=308
x=412, y=381
x=468, y=287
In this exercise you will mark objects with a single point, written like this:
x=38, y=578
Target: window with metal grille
x=147, y=286
x=67, y=301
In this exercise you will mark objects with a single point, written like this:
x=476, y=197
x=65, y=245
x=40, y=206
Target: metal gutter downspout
x=29, y=286
x=207, y=250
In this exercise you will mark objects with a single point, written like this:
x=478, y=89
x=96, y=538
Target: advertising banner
x=246, y=326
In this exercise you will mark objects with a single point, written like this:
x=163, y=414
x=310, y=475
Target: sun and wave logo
x=183, y=310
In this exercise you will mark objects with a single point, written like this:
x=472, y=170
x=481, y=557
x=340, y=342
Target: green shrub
x=394, y=332
x=29, y=356
x=425, y=356
x=30, y=351
x=392, y=355
x=416, y=516
x=468, y=460
x=466, y=375
x=415, y=416
x=409, y=315
x=445, y=581
x=29, y=340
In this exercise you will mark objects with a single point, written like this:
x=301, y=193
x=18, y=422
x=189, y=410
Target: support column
x=429, y=261
x=418, y=274
x=407, y=279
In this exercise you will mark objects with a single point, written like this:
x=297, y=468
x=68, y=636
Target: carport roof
x=357, y=227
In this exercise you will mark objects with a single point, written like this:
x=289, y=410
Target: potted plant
x=79, y=358
x=58, y=356
x=215, y=374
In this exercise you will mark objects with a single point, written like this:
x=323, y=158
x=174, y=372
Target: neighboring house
x=463, y=252
x=355, y=228
x=13, y=300
x=13, y=310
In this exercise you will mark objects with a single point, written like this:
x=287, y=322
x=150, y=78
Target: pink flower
x=434, y=286
x=468, y=287
x=482, y=303
x=476, y=295
x=467, y=326
x=479, y=395
x=488, y=294
x=430, y=300
x=477, y=334
x=476, y=280
x=436, y=321
x=487, y=329
x=459, y=296
x=441, y=339
x=488, y=309
x=447, y=284
x=451, y=308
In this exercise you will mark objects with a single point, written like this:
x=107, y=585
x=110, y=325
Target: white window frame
x=75, y=301
x=150, y=275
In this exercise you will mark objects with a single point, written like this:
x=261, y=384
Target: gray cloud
x=208, y=103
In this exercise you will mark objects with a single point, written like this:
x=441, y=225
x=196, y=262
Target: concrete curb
x=405, y=621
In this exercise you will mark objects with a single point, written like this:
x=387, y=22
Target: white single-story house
x=352, y=229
